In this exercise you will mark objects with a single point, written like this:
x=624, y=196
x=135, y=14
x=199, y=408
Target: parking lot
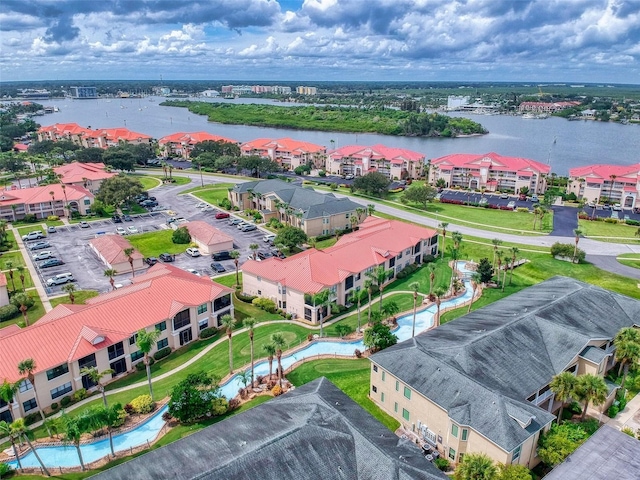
x=71, y=244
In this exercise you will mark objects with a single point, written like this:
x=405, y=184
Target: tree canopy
x=290, y=237
x=420, y=194
x=196, y=397
x=118, y=190
x=378, y=337
x=373, y=183
x=218, y=148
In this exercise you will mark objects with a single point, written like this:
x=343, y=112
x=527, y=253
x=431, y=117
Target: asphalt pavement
x=565, y=221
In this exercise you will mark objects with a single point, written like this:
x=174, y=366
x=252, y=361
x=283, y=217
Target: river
x=556, y=141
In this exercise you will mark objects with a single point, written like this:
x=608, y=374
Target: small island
x=385, y=121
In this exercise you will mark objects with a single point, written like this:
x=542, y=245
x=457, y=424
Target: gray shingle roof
x=314, y=432
x=491, y=360
x=607, y=454
x=593, y=354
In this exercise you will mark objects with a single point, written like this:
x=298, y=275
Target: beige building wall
x=4, y=296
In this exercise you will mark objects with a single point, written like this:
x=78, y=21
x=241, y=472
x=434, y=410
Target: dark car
x=39, y=245
x=278, y=253
x=151, y=260
x=264, y=255
x=127, y=218
x=166, y=257
x=220, y=215
x=116, y=219
x=224, y=255
x=53, y=262
x=218, y=267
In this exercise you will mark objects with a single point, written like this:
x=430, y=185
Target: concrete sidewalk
x=629, y=417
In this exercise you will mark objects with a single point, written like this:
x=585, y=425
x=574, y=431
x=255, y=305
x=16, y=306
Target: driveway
x=565, y=221
x=610, y=264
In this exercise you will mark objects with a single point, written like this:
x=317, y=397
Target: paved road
x=610, y=264
x=565, y=221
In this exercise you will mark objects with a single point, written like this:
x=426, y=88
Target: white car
x=617, y=207
x=43, y=255
x=195, y=272
x=193, y=252
x=201, y=205
x=511, y=205
x=131, y=229
x=208, y=208
x=269, y=237
x=33, y=235
x=121, y=231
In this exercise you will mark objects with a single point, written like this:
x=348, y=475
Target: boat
x=528, y=115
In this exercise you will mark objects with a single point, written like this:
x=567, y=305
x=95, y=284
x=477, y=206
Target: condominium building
x=341, y=269
x=102, y=334
x=86, y=137
x=358, y=160
x=480, y=383
x=611, y=183
x=491, y=172
x=83, y=93
x=181, y=144
x=546, y=107
x=86, y=175
x=55, y=199
x=302, y=90
x=313, y=212
x=287, y=152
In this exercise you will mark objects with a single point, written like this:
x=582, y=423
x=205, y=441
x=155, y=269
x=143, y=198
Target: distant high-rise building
x=83, y=92
x=302, y=90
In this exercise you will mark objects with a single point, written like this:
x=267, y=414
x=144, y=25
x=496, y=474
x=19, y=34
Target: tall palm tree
x=476, y=279
x=358, y=297
x=499, y=257
x=476, y=466
x=21, y=270
x=443, y=226
x=577, y=232
x=128, y=252
x=110, y=272
x=95, y=376
x=70, y=288
x=371, y=208
x=496, y=244
x=278, y=341
x=379, y=274
x=74, y=428
x=26, y=368
x=8, y=432
x=235, y=254
x=439, y=293
x=9, y=266
x=414, y=286
x=612, y=178
x=270, y=350
x=19, y=428
x=8, y=391
x=320, y=299
x=228, y=322
x=249, y=323
x=563, y=386
x=254, y=249
x=627, y=343
x=590, y=388
x=23, y=299
x=368, y=284
x=431, y=268
x=514, y=255
x=145, y=341
x=104, y=416
x=389, y=309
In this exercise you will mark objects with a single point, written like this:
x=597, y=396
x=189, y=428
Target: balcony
x=542, y=398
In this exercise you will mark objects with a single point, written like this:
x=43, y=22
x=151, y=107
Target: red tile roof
x=623, y=173
x=312, y=270
x=9, y=330
x=65, y=333
x=493, y=160
x=42, y=194
x=193, y=138
x=282, y=144
x=3, y=280
x=112, y=248
x=206, y=233
x=77, y=172
x=394, y=155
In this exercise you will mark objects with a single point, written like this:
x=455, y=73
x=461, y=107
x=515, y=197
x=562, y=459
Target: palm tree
x=110, y=272
x=368, y=284
x=563, y=386
x=439, y=293
x=627, y=343
x=270, y=350
x=321, y=299
x=496, y=243
x=443, y=226
x=236, y=255
x=145, y=341
x=254, y=249
x=74, y=428
x=9, y=266
x=590, y=388
x=371, y=208
x=379, y=274
x=414, y=286
x=249, y=323
x=499, y=256
x=358, y=297
x=128, y=252
x=21, y=270
x=26, y=368
x=612, y=178
x=228, y=322
x=389, y=309
x=8, y=391
x=104, y=416
x=476, y=279
x=20, y=429
x=278, y=341
x=6, y=430
x=514, y=254
x=577, y=232
x=432, y=276
x=95, y=376
x=23, y=299
x=70, y=288
x=476, y=466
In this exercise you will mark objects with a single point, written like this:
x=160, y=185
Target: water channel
x=67, y=455
x=555, y=141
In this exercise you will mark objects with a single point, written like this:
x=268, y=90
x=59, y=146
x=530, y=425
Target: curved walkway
x=611, y=264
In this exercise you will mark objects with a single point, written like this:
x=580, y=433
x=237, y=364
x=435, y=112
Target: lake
x=556, y=141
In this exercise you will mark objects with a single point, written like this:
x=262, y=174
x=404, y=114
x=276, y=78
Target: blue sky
x=270, y=40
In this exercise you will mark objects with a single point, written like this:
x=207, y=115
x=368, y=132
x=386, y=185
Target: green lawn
x=147, y=181
x=33, y=314
x=630, y=260
x=28, y=281
x=212, y=195
x=179, y=180
x=229, y=279
x=11, y=237
x=329, y=242
x=613, y=232
x=14, y=257
x=216, y=186
x=31, y=228
x=350, y=376
x=152, y=244
x=81, y=296
x=243, y=310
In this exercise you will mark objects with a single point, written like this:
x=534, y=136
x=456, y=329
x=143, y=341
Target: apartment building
x=102, y=333
x=546, y=107
x=303, y=90
x=480, y=384
x=181, y=144
x=491, y=172
x=342, y=269
x=86, y=175
x=55, y=199
x=287, y=152
x=358, y=160
x=86, y=137
x=613, y=183
x=313, y=212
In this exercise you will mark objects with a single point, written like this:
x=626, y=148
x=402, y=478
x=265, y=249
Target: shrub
x=628, y=431
x=333, y=186
x=80, y=395
x=611, y=220
x=243, y=297
x=29, y=303
x=277, y=391
x=219, y=406
x=358, y=353
x=128, y=408
x=53, y=218
x=5, y=469
x=225, y=203
x=142, y=404
x=233, y=404
x=442, y=464
x=322, y=173
x=163, y=352
x=566, y=250
x=166, y=416
x=181, y=236
x=32, y=418
x=265, y=304
x=575, y=408
x=428, y=258
x=613, y=411
x=634, y=223
x=208, y=332
x=122, y=416
x=30, y=218
x=310, y=337
x=65, y=401
x=54, y=406
x=8, y=312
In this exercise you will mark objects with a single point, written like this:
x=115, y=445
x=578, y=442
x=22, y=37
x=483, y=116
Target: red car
x=220, y=215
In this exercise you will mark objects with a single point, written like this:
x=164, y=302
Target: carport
x=208, y=238
x=110, y=250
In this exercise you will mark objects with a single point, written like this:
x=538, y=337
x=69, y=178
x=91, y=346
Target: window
x=162, y=326
x=61, y=390
x=25, y=385
x=358, y=276
x=454, y=430
x=259, y=292
x=29, y=404
x=405, y=414
x=407, y=392
x=395, y=407
x=182, y=319
x=89, y=361
x=87, y=201
x=452, y=454
x=397, y=386
x=383, y=375
x=382, y=397
x=118, y=367
x=162, y=343
x=374, y=388
x=133, y=339
x=57, y=371
x=202, y=324
x=375, y=368
x=116, y=350
x=465, y=435
x=135, y=356
x=516, y=453
x=202, y=308
x=222, y=302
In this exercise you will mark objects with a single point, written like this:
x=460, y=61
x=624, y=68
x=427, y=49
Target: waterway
x=555, y=141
